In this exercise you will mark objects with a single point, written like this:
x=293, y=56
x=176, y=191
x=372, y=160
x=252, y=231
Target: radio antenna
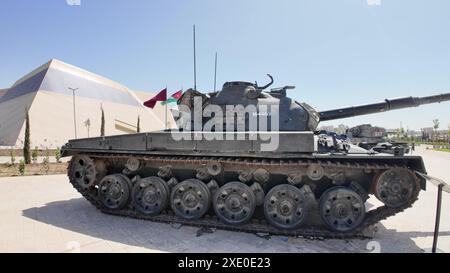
x=215, y=73
x=195, y=64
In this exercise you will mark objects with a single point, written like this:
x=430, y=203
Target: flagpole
x=165, y=114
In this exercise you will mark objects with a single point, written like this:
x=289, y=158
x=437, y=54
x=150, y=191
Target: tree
x=87, y=124
x=448, y=134
x=102, y=127
x=26, y=144
x=436, y=124
x=139, y=124
x=400, y=132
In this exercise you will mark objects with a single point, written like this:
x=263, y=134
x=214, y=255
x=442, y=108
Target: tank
x=375, y=138
x=284, y=178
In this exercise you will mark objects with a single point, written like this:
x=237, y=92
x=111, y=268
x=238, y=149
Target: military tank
x=375, y=138
x=309, y=184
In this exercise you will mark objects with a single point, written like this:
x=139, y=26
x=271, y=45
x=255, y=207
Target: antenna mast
x=195, y=64
x=215, y=73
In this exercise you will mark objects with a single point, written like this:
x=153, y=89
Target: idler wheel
x=395, y=187
x=83, y=171
x=190, y=199
x=342, y=209
x=286, y=207
x=234, y=203
x=114, y=191
x=150, y=195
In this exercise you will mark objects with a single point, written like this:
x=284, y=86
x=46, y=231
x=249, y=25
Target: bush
x=12, y=156
x=46, y=165
x=22, y=167
x=34, y=155
x=58, y=155
x=46, y=161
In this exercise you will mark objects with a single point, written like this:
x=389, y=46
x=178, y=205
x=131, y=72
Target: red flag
x=177, y=95
x=162, y=96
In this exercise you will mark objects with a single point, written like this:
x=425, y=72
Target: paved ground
x=44, y=214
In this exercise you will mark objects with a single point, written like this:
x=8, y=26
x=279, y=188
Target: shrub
x=12, y=156
x=22, y=167
x=34, y=155
x=58, y=155
x=46, y=165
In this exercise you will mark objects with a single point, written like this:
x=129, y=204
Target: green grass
x=442, y=150
x=430, y=143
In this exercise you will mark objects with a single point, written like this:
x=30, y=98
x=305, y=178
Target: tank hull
x=200, y=143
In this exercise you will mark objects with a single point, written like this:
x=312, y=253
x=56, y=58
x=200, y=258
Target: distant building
x=328, y=128
x=414, y=134
x=45, y=93
x=429, y=134
x=392, y=133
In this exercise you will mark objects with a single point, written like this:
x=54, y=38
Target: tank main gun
x=387, y=105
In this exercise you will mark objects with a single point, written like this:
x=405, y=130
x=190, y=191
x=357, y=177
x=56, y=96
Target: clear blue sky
x=337, y=53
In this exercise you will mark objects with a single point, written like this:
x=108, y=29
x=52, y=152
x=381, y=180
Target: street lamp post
x=74, y=113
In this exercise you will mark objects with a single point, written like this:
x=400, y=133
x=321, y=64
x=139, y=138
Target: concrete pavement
x=45, y=214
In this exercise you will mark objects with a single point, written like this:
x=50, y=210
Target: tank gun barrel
x=387, y=105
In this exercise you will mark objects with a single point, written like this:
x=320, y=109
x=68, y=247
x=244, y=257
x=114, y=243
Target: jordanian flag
x=174, y=98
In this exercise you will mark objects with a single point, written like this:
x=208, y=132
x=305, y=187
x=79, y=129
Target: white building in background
x=45, y=93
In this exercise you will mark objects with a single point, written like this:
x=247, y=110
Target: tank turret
x=293, y=116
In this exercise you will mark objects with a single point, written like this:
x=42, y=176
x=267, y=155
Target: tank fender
x=417, y=166
x=435, y=181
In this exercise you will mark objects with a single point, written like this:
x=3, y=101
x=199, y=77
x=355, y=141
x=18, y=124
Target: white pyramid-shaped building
x=45, y=92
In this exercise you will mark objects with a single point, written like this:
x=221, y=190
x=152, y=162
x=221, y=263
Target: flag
x=177, y=95
x=162, y=96
x=174, y=98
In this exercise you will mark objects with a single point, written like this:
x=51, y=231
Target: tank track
x=255, y=225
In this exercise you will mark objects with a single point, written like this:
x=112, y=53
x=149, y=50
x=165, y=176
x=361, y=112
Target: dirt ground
x=8, y=170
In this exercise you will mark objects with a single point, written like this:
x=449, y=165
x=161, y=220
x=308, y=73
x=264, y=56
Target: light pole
x=74, y=113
